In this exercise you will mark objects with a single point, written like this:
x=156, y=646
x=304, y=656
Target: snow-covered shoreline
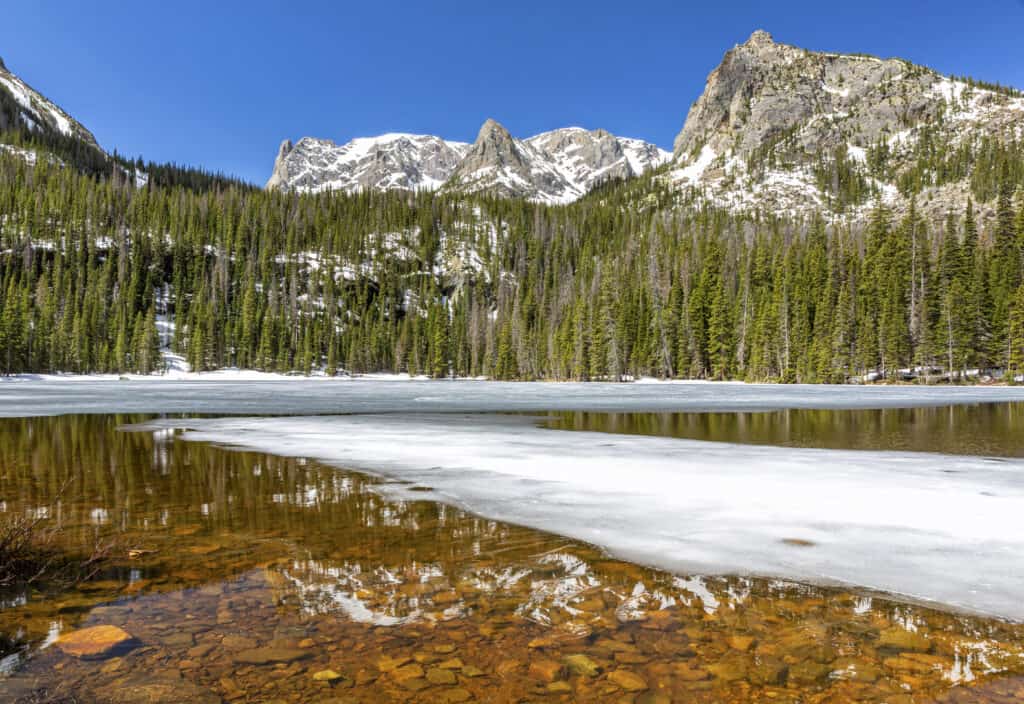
x=180, y=372
x=231, y=395
x=932, y=528
x=226, y=374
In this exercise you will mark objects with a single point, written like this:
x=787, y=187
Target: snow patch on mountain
x=39, y=112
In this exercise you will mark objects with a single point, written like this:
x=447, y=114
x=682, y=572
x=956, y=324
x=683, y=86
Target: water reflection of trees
x=145, y=482
x=981, y=429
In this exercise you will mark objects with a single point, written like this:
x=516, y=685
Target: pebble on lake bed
x=629, y=681
x=327, y=676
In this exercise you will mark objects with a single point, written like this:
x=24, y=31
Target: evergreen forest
x=97, y=274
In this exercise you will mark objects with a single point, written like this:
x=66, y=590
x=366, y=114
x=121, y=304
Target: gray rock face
x=508, y=167
x=786, y=107
x=279, y=178
x=401, y=161
x=554, y=167
x=39, y=112
x=586, y=158
x=762, y=89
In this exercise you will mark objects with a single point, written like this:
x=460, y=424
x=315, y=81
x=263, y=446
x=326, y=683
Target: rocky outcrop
x=279, y=177
x=770, y=111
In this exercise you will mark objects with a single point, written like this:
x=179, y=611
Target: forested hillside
x=625, y=282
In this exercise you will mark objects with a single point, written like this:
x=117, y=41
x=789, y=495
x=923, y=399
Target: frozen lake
x=322, y=396
x=932, y=527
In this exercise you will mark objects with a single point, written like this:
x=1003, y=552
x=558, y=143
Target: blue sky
x=220, y=83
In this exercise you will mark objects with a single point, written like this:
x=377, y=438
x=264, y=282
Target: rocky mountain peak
x=558, y=166
x=390, y=161
x=492, y=126
x=279, y=177
x=774, y=119
x=758, y=39
x=494, y=145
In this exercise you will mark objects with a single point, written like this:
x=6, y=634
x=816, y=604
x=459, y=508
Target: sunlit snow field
x=939, y=528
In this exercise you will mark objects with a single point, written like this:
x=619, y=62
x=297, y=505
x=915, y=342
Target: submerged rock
x=438, y=676
x=327, y=676
x=582, y=665
x=267, y=656
x=545, y=670
x=902, y=639
x=629, y=681
x=96, y=643
x=158, y=690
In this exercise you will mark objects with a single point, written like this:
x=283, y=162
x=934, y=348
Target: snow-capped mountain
x=779, y=127
x=400, y=161
x=553, y=167
x=500, y=164
x=29, y=107
x=587, y=157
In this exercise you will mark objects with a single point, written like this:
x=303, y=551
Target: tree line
x=621, y=284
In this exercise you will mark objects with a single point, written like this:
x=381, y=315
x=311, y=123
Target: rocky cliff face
x=587, y=157
x=771, y=113
x=508, y=167
x=403, y=161
x=38, y=112
x=554, y=167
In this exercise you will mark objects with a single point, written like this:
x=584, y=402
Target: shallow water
x=259, y=572
x=987, y=429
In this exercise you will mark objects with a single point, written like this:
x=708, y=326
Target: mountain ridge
x=557, y=166
x=777, y=128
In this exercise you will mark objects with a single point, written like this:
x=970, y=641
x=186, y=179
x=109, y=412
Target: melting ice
x=931, y=527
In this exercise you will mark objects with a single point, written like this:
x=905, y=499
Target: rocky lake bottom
x=241, y=576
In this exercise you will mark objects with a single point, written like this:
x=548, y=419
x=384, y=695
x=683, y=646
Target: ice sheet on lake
x=380, y=396
x=934, y=527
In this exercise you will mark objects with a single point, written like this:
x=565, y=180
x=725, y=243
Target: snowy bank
x=225, y=374
x=222, y=393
